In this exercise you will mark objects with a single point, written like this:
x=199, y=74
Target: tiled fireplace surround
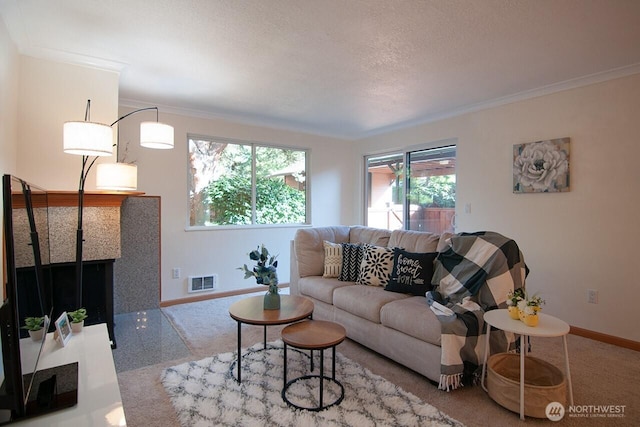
x=116, y=227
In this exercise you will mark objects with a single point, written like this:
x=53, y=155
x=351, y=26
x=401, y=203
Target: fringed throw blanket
x=472, y=275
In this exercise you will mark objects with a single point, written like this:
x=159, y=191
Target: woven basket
x=543, y=383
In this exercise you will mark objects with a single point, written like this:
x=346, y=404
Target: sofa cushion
x=413, y=317
x=364, y=301
x=414, y=241
x=376, y=265
x=372, y=236
x=332, y=259
x=411, y=272
x=320, y=288
x=309, y=249
x=351, y=260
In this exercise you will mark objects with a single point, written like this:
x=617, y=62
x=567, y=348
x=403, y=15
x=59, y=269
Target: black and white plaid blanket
x=472, y=275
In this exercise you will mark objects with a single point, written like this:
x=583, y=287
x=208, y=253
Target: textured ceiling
x=345, y=68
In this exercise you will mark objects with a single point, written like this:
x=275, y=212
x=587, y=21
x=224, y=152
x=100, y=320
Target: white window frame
x=254, y=145
x=404, y=152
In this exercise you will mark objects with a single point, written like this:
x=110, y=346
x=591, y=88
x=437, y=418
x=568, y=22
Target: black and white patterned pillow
x=351, y=259
x=376, y=266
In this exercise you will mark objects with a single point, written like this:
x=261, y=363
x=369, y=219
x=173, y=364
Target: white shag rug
x=206, y=393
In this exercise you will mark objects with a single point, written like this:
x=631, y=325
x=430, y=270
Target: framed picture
x=541, y=166
x=63, y=328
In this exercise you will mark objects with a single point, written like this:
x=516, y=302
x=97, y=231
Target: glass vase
x=272, y=298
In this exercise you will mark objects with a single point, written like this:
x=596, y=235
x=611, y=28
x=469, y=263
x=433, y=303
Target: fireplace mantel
x=59, y=198
x=91, y=198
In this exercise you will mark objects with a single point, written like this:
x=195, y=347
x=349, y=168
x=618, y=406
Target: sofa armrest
x=294, y=275
x=309, y=248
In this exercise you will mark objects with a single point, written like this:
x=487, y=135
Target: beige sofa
x=396, y=325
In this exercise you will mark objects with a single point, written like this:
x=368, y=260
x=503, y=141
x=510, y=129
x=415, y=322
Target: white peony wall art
x=541, y=166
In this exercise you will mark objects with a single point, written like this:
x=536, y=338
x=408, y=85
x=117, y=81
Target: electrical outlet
x=592, y=296
x=175, y=273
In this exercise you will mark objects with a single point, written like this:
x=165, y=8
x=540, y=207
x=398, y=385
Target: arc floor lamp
x=90, y=139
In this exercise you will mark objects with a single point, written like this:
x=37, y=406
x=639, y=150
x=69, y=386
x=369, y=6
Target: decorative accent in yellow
x=514, y=312
x=529, y=319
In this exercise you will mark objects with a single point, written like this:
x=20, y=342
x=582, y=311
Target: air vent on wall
x=203, y=283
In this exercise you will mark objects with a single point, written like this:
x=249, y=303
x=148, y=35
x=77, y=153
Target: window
x=233, y=183
x=419, y=197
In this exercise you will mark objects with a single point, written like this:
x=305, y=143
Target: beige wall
x=164, y=173
x=584, y=239
x=9, y=67
x=52, y=93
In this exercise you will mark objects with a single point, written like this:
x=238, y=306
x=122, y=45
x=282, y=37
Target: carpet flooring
x=602, y=374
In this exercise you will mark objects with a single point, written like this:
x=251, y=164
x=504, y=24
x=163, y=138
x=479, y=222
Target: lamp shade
x=156, y=135
x=117, y=176
x=87, y=139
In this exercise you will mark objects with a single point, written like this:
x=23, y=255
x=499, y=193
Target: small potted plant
x=513, y=298
x=528, y=310
x=34, y=326
x=265, y=274
x=77, y=319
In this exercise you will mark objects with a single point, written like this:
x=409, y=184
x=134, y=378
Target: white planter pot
x=77, y=327
x=36, y=335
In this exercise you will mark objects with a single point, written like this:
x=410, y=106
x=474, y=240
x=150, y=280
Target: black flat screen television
x=25, y=392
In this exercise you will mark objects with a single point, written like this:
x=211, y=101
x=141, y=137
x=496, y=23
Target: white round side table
x=548, y=326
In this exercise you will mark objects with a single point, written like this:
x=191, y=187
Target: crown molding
x=235, y=118
x=509, y=99
x=72, y=58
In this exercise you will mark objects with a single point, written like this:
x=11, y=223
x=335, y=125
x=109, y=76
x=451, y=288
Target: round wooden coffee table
x=251, y=311
x=313, y=335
